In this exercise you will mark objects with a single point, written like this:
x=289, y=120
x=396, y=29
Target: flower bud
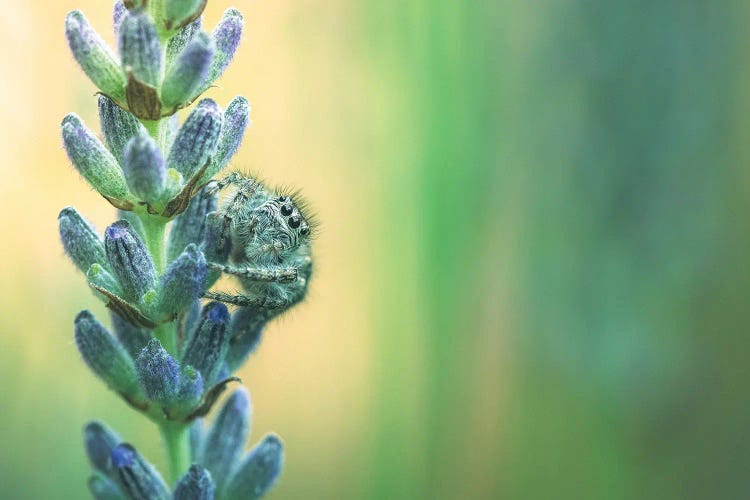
x=190, y=225
x=186, y=74
x=206, y=348
x=132, y=338
x=180, y=40
x=80, y=240
x=118, y=12
x=226, y=439
x=179, y=12
x=104, y=355
x=138, y=478
x=94, y=56
x=245, y=331
x=226, y=38
x=189, y=394
x=99, y=441
x=197, y=436
x=212, y=246
x=258, y=472
x=196, y=140
x=196, y=484
x=143, y=165
x=129, y=260
x=102, y=488
x=99, y=277
x=236, y=119
x=183, y=282
x=92, y=160
x=158, y=373
x=139, y=47
x=118, y=126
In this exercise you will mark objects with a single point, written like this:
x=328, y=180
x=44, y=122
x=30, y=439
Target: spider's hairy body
x=268, y=236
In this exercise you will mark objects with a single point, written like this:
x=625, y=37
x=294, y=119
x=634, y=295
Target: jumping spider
x=269, y=245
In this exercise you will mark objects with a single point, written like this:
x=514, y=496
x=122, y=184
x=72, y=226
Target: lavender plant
x=170, y=356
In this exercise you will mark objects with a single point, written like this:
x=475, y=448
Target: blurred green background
x=532, y=272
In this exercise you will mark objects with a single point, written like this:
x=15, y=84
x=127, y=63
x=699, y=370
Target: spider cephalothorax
x=267, y=238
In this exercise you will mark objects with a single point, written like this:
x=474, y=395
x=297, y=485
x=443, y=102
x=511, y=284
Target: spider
x=268, y=237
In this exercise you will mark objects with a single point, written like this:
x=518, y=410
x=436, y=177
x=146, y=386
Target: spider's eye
x=294, y=222
x=286, y=210
x=304, y=231
x=281, y=199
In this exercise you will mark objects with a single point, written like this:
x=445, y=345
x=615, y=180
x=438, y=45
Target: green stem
x=177, y=441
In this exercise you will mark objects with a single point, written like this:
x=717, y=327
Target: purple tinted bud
x=212, y=247
x=226, y=439
x=137, y=477
x=118, y=12
x=190, y=225
x=189, y=395
x=236, y=119
x=133, y=338
x=94, y=56
x=80, y=240
x=143, y=165
x=104, y=355
x=226, y=38
x=99, y=442
x=180, y=40
x=187, y=72
x=258, y=472
x=196, y=140
x=245, y=331
x=118, y=126
x=92, y=160
x=158, y=373
x=129, y=260
x=196, y=484
x=206, y=348
x=183, y=282
x=140, y=50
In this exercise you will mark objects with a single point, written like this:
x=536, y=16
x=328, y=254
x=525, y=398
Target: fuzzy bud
x=140, y=50
x=158, y=373
x=196, y=484
x=143, y=165
x=196, y=140
x=80, y=240
x=186, y=74
x=138, y=478
x=179, y=12
x=179, y=40
x=99, y=277
x=129, y=260
x=226, y=439
x=226, y=38
x=99, y=441
x=183, y=282
x=258, y=472
x=133, y=338
x=102, y=488
x=92, y=160
x=118, y=126
x=189, y=394
x=212, y=247
x=118, y=13
x=245, y=332
x=104, y=355
x=94, y=56
x=236, y=119
x=190, y=225
x=206, y=348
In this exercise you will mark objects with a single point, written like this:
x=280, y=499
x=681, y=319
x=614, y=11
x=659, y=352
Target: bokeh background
x=532, y=271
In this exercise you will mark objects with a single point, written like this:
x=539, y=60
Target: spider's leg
x=247, y=301
x=279, y=274
x=237, y=203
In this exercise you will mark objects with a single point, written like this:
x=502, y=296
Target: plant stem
x=177, y=441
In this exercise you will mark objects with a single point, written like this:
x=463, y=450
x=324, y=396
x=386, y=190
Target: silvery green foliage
x=172, y=354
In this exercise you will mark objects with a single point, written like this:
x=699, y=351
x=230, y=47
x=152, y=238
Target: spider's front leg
x=236, y=208
x=277, y=274
x=263, y=302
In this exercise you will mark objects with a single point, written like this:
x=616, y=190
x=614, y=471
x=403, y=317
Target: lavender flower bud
x=180, y=40
x=133, y=338
x=236, y=119
x=102, y=488
x=118, y=12
x=130, y=260
x=197, y=436
x=138, y=478
x=211, y=246
x=139, y=47
x=158, y=373
x=206, y=348
x=189, y=394
x=226, y=439
x=196, y=484
x=178, y=12
x=190, y=225
x=196, y=140
x=118, y=126
x=104, y=355
x=258, y=472
x=101, y=278
x=94, y=56
x=183, y=282
x=187, y=72
x=143, y=165
x=226, y=38
x=80, y=240
x=99, y=441
x=245, y=331
x=92, y=160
